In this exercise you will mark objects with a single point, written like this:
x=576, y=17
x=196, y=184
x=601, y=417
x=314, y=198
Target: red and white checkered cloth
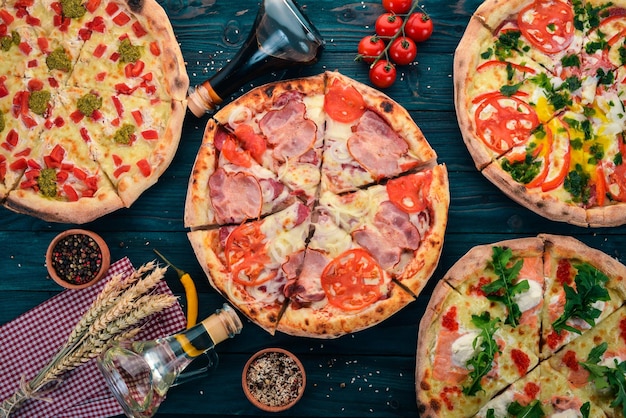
x=28, y=343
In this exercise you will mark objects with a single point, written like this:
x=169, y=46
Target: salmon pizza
x=526, y=327
x=316, y=206
x=540, y=98
x=92, y=100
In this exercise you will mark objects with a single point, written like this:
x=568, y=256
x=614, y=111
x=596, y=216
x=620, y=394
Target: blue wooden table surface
x=367, y=374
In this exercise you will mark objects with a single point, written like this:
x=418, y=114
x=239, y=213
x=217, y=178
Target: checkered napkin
x=28, y=343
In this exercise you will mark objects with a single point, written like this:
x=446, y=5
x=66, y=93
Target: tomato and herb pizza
x=316, y=206
x=92, y=99
x=539, y=94
x=526, y=327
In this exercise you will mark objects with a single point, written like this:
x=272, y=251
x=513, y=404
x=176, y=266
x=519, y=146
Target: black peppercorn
x=77, y=258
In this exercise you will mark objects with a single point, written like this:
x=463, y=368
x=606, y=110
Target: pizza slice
x=401, y=224
x=227, y=188
x=537, y=173
x=337, y=287
x=131, y=53
x=589, y=362
x=132, y=145
x=281, y=127
x=583, y=286
x=248, y=263
x=467, y=354
x=368, y=137
x=542, y=392
x=25, y=111
x=61, y=182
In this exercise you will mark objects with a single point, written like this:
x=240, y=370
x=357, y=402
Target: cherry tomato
x=419, y=27
x=403, y=50
x=371, y=47
x=383, y=74
x=388, y=24
x=397, y=6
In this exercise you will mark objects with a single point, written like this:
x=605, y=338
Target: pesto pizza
x=92, y=99
x=539, y=94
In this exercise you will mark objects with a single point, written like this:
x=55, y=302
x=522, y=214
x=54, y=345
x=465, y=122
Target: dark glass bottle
x=282, y=37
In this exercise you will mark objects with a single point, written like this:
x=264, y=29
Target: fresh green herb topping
x=47, y=182
x=617, y=160
x=579, y=303
x=510, y=90
x=532, y=410
x=7, y=41
x=605, y=378
x=128, y=52
x=572, y=60
x=38, y=101
x=487, y=54
x=506, y=43
x=577, y=184
x=504, y=288
x=482, y=361
x=124, y=134
x=597, y=152
x=73, y=8
x=522, y=171
x=59, y=60
x=605, y=78
x=88, y=104
x=585, y=409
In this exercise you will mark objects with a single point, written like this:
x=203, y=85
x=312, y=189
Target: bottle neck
x=223, y=324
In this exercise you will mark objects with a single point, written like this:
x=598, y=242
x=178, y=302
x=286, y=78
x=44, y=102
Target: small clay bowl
x=269, y=389
x=82, y=247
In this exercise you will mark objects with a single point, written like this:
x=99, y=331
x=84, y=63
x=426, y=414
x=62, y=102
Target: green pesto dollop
x=89, y=103
x=59, y=60
x=2, y=122
x=47, y=182
x=73, y=8
x=123, y=134
x=38, y=101
x=128, y=52
x=7, y=41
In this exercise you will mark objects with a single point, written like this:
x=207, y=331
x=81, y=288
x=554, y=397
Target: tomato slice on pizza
x=352, y=280
x=248, y=263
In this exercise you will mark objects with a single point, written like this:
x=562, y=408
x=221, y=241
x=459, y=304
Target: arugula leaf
x=608, y=378
x=579, y=304
x=532, y=410
x=503, y=289
x=585, y=409
x=482, y=361
x=509, y=90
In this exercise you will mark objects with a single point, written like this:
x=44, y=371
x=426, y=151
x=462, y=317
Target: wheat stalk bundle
x=117, y=313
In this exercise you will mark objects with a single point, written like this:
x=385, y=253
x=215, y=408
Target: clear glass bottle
x=281, y=37
x=139, y=374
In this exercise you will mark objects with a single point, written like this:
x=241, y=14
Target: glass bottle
x=139, y=374
x=281, y=37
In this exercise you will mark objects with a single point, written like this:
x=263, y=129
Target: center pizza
x=529, y=327
x=540, y=87
x=316, y=206
x=92, y=100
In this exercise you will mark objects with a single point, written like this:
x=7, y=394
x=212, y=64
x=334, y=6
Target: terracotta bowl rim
x=104, y=249
x=255, y=401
